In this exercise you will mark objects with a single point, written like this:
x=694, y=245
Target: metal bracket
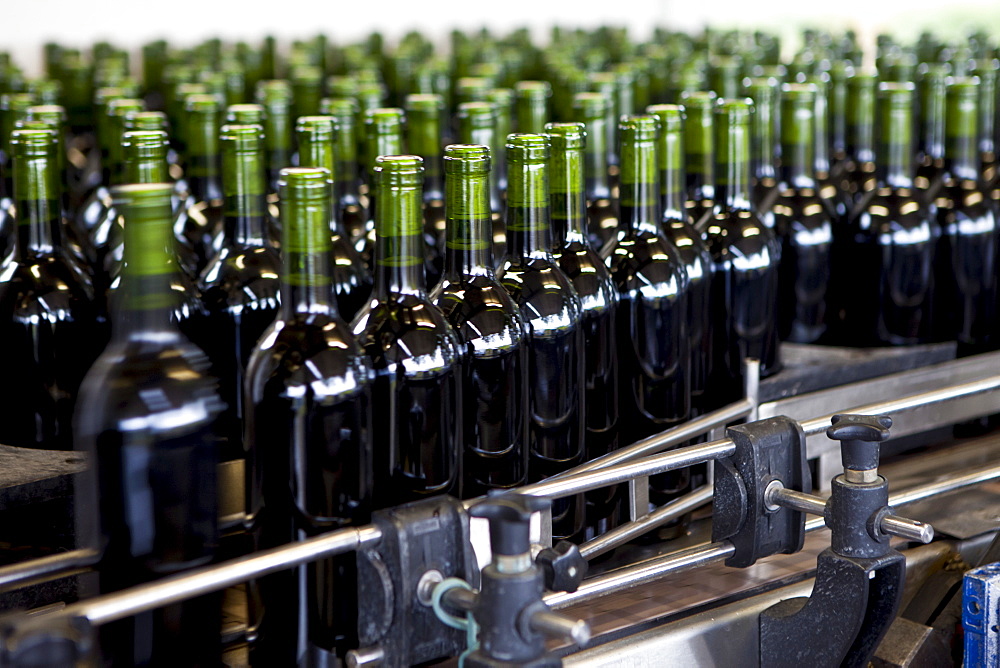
x=841, y=624
x=416, y=538
x=768, y=450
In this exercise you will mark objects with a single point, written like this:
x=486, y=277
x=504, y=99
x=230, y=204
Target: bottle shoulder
x=542, y=291
x=481, y=311
x=48, y=284
x=800, y=210
x=242, y=274
x=965, y=209
x=895, y=210
x=589, y=274
x=155, y=384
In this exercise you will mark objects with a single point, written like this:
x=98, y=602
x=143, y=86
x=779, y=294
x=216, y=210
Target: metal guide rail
x=743, y=490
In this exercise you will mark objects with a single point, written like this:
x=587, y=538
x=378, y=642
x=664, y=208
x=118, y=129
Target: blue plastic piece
x=981, y=616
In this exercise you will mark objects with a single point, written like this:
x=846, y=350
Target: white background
x=25, y=25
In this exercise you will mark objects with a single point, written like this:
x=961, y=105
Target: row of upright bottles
x=377, y=275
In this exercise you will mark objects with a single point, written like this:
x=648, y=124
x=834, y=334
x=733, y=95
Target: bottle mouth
x=425, y=103
x=142, y=195
x=146, y=121
x=145, y=143
x=524, y=148
x=32, y=142
x=566, y=136
x=199, y=103
x=466, y=159
x=533, y=90
x=399, y=171
x=384, y=120
x=340, y=107
x=801, y=94
x=245, y=114
x=320, y=128
x=634, y=129
x=590, y=105
x=699, y=99
x=242, y=139
x=671, y=116
x=735, y=112
x=478, y=115
x=304, y=184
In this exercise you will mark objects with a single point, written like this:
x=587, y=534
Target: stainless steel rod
x=819, y=425
x=129, y=602
x=17, y=575
x=700, y=555
x=626, y=532
x=559, y=626
x=806, y=503
x=908, y=529
x=640, y=574
x=558, y=487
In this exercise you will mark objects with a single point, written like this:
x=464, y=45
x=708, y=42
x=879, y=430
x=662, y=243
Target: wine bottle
x=602, y=217
x=240, y=286
x=347, y=183
x=383, y=136
x=746, y=256
x=415, y=352
x=802, y=223
x=930, y=139
x=424, y=131
x=887, y=269
x=840, y=73
x=307, y=91
x=599, y=300
x=763, y=177
x=503, y=103
x=352, y=282
x=699, y=152
x=965, y=264
x=653, y=345
x=532, y=105
x=275, y=95
x=146, y=420
x=604, y=84
x=48, y=318
x=724, y=75
x=308, y=439
x=552, y=313
x=13, y=108
x=490, y=327
x=987, y=70
x=477, y=125
x=858, y=175
x=198, y=226
x=676, y=225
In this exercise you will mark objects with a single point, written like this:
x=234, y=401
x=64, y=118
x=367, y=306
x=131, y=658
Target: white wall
x=26, y=25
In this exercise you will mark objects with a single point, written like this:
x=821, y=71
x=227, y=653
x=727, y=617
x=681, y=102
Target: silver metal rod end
x=906, y=528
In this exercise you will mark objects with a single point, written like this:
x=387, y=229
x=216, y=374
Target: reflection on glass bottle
x=602, y=216
x=424, y=129
x=699, y=153
x=599, y=301
x=308, y=440
x=489, y=324
x=477, y=124
x=147, y=421
x=383, y=136
x=415, y=352
x=552, y=313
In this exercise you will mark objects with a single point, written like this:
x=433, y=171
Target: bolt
x=427, y=584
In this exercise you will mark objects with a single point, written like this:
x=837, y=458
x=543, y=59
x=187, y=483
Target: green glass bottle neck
x=699, y=150
x=202, y=167
x=732, y=166
x=837, y=101
x=399, y=248
x=639, y=196
x=894, y=165
x=486, y=136
x=148, y=273
x=37, y=201
x=245, y=201
x=961, y=150
x=306, y=279
x=798, y=141
x=595, y=159
x=278, y=131
x=567, y=197
x=861, y=126
x=425, y=141
x=672, y=177
x=529, y=232
x=345, y=151
x=468, y=225
x=932, y=120
x=821, y=135
x=762, y=140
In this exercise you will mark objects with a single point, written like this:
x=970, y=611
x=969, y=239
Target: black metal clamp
x=513, y=620
x=859, y=579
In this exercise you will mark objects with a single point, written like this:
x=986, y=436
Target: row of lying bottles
x=518, y=303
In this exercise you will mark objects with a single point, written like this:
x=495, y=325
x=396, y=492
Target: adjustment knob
x=860, y=436
x=509, y=515
x=563, y=565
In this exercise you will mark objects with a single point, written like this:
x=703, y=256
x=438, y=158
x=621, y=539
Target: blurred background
x=25, y=26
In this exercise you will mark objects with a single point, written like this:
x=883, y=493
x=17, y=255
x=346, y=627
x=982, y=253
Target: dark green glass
x=532, y=105
x=424, y=131
x=965, y=263
x=275, y=96
x=152, y=462
x=13, y=108
x=347, y=181
x=240, y=286
x=552, y=313
x=858, y=176
x=699, y=152
x=676, y=225
x=416, y=354
x=930, y=138
x=802, y=222
x=840, y=73
x=987, y=70
x=383, y=136
x=503, y=102
x=308, y=438
x=352, y=282
x=307, y=90
x=477, y=125
x=653, y=345
x=599, y=301
x=724, y=73
x=196, y=226
x=766, y=97
x=886, y=268
x=490, y=327
x=746, y=255
x=602, y=216
x=48, y=320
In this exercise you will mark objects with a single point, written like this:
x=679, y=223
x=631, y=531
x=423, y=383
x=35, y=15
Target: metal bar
x=634, y=576
x=819, y=425
x=751, y=385
x=555, y=625
x=638, y=498
x=901, y=527
x=558, y=487
x=17, y=575
x=700, y=555
x=129, y=602
x=626, y=532
x=805, y=503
